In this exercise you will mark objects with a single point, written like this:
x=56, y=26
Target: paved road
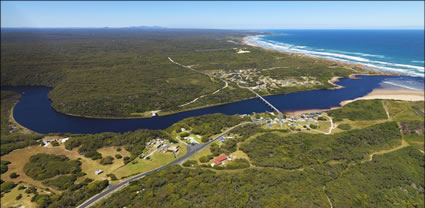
x=192, y=149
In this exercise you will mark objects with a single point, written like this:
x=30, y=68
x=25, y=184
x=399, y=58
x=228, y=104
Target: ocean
x=400, y=51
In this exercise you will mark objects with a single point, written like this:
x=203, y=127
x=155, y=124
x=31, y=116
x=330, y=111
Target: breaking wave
x=343, y=56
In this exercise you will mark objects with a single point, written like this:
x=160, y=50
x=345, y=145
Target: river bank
x=391, y=94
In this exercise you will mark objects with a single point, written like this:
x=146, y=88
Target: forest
x=303, y=149
x=271, y=187
x=126, y=72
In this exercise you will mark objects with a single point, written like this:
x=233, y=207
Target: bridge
x=268, y=104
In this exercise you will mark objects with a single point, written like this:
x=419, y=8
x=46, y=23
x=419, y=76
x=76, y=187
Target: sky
x=218, y=14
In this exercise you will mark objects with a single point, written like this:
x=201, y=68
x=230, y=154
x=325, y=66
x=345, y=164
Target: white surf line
x=188, y=67
x=400, y=85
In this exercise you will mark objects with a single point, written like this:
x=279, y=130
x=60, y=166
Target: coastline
x=370, y=71
x=394, y=94
x=333, y=80
x=382, y=94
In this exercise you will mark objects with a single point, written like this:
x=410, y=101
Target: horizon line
x=161, y=27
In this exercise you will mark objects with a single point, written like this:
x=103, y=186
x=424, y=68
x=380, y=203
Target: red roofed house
x=220, y=158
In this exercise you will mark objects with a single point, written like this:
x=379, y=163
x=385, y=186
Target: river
x=34, y=110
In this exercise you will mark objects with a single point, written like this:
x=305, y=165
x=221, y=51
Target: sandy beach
x=406, y=95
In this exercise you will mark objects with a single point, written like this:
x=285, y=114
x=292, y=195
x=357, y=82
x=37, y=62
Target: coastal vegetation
x=360, y=110
x=318, y=186
x=302, y=149
x=109, y=72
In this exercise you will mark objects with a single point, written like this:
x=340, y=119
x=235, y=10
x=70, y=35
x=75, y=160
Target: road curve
x=193, y=150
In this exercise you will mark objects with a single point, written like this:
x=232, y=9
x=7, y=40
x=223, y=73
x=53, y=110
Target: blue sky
x=223, y=15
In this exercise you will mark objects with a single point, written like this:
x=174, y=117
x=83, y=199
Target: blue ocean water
x=399, y=51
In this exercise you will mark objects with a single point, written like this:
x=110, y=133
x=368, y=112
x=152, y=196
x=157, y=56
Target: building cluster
x=48, y=139
x=291, y=121
x=222, y=160
x=253, y=79
x=190, y=139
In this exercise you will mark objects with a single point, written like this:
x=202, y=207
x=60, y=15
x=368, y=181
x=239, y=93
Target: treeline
x=208, y=125
x=302, y=149
x=360, y=110
x=133, y=142
x=17, y=141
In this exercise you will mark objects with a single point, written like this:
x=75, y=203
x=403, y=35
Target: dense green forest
x=303, y=149
x=392, y=180
x=126, y=72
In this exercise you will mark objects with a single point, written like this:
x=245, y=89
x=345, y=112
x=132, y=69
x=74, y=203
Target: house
x=219, y=159
x=63, y=140
x=173, y=148
x=46, y=140
x=98, y=172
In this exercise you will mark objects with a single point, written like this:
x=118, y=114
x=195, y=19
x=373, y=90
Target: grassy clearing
x=19, y=158
x=205, y=152
x=405, y=110
x=9, y=199
x=142, y=165
x=357, y=124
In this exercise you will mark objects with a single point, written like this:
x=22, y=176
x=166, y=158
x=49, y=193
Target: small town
x=305, y=121
x=253, y=79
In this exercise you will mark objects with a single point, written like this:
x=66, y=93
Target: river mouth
x=34, y=110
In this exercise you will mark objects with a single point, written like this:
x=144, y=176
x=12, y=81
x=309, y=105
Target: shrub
x=13, y=175
x=19, y=197
x=313, y=126
x=21, y=187
x=118, y=156
x=107, y=160
x=184, y=134
x=54, y=143
x=31, y=190
x=238, y=164
x=126, y=159
x=204, y=159
x=344, y=126
x=61, y=182
x=190, y=163
x=119, y=149
x=7, y=186
x=112, y=176
x=321, y=118
x=3, y=166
